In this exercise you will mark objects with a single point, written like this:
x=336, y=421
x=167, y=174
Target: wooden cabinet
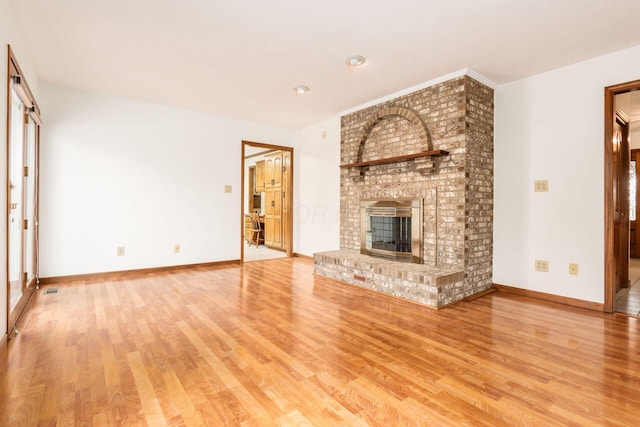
x=286, y=162
x=273, y=170
x=273, y=236
x=277, y=171
x=286, y=197
x=268, y=172
x=273, y=218
x=259, y=177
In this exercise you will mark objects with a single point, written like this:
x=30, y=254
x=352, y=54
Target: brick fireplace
x=434, y=145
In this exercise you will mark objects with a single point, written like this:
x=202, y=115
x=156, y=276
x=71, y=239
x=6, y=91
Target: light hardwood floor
x=267, y=343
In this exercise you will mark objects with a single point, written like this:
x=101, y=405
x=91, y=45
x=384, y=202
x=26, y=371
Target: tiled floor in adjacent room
x=262, y=252
x=628, y=300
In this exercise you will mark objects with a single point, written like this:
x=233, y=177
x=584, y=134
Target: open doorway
x=628, y=300
x=267, y=190
x=619, y=118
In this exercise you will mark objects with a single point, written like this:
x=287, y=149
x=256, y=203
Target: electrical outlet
x=120, y=250
x=541, y=186
x=176, y=249
x=573, y=269
x=542, y=265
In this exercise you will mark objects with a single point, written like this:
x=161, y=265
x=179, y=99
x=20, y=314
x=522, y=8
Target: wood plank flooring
x=267, y=343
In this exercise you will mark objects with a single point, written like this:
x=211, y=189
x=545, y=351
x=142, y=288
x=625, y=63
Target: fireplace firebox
x=392, y=229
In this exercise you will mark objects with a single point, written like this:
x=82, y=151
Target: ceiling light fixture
x=301, y=89
x=355, y=60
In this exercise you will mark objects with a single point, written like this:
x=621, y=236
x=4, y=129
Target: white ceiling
x=242, y=58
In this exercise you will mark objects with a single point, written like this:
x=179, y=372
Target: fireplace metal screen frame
x=407, y=208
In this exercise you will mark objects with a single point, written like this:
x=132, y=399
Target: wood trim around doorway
x=609, y=257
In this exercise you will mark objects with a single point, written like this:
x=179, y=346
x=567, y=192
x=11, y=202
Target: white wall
x=9, y=35
x=551, y=126
x=117, y=172
x=316, y=204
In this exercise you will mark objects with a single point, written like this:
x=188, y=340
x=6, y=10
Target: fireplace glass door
x=389, y=233
x=391, y=229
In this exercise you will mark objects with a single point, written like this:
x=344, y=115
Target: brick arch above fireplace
x=393, y=112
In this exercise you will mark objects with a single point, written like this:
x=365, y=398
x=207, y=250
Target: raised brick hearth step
x=432, y=286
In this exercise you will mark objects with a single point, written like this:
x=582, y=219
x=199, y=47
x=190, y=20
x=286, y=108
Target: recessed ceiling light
x=355, y=60
x=301, y=89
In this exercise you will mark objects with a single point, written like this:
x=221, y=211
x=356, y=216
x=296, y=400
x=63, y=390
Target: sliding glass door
x=30, y=201
x=22, y=194
x=14, y=231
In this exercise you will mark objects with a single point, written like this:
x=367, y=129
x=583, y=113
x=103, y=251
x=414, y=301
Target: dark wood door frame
x=609, y=209
x=289, y=192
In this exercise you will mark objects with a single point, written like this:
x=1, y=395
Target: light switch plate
x=227, y=189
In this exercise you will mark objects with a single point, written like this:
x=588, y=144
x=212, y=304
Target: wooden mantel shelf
x=432, y=153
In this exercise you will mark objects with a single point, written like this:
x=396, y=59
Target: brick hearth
x=456, y=189
x=433, y=286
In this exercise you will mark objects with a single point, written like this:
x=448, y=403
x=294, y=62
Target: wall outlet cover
x=541, y=265
x=573, y=269
x=541, y=186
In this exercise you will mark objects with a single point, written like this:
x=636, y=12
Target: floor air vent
x=51, y=291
